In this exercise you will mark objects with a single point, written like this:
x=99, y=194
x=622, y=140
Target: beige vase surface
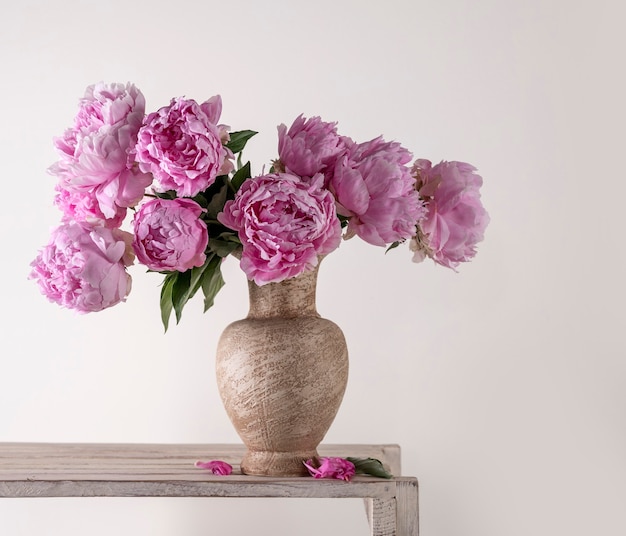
x=282, y=372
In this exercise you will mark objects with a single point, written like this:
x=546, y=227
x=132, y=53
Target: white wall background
x=505, y=383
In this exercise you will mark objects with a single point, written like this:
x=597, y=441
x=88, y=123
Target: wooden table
x=167, y=470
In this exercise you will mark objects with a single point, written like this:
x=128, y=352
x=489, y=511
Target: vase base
x=269, y=463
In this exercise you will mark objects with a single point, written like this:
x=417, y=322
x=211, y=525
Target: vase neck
x=289, y=298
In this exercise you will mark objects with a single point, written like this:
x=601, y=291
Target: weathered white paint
x=167, y=470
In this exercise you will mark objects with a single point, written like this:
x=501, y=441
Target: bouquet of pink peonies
x=194, y=202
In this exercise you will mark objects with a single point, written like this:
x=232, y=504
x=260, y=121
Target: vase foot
x=269, y=463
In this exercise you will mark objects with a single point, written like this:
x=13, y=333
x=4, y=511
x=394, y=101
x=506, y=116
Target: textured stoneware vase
x=282, y=373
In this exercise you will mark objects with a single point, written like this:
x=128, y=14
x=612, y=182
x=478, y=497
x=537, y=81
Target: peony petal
x=217, y=467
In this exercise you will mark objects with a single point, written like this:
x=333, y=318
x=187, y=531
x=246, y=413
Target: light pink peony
x=456, y=220
x=284, y=224
x=83, y=267
x=103, y=106
x=95, y=152
x=169, y=235
x=182, y=146
x=375, y=190
x=84, y=207
x=339, y=468
x=217, y=467
x=310, y=146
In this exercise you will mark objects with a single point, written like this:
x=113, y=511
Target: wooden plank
x=398, y=516
x=168, y=470
x=135, y=453
x=227, y=487
x=79, y=470
x=407, y=511
x=383, y=517
x=29, y=457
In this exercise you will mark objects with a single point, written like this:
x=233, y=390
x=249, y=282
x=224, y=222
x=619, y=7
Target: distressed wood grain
x=407, y=511
x=37, y=470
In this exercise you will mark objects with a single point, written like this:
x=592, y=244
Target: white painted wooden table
x=167, y=470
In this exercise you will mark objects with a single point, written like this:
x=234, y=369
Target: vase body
x=282, y=372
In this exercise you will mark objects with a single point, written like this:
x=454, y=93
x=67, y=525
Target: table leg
x=407, y=507
x=382, y=517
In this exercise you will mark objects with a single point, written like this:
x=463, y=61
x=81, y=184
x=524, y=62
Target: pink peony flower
x=83, y=267
x=284, y=224
x=182, y=146
x=95, y=152
x=217, y=467
x=84, y=207
x=339, y=468
x=104, y=105
x=455, y=220
x=309, y=146
x=169, y=235
x=375, y=190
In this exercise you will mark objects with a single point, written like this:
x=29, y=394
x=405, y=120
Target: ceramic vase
x=282, y=372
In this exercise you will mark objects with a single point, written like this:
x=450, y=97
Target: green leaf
x=370, y=466
x=169, y=194
x=216, y=205
x=224, y=246
x=229, y=235
x=212, y=281
x=240, y=175
x=195, y=281
x=394, y=245
x=239, y=139
x=180, y=292
x=166, y=299
x=201, y=200
x=179, y=287
x=343, y=220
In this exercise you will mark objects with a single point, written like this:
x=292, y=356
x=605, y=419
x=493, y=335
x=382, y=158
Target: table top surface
x=114, y=469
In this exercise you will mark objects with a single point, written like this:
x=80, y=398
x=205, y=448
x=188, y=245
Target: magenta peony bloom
x=83, y=267
x=375, y=190
x=310, y=146
x=284, y=224
x=339, y=468
x=182, y=146
x=95, y=153
x=169, y=235
x=217, y=467
x=456, y=220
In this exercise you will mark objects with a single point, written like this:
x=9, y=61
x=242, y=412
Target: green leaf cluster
x=370, y=466
x=179, y=287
